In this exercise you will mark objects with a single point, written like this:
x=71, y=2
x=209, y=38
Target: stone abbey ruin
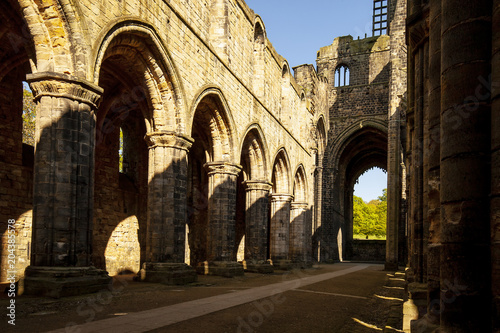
x=233, y=161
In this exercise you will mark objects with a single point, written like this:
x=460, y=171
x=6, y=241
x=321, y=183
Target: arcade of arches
x=232, y=161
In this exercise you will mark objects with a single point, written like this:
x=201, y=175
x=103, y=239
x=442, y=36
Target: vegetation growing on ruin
x=369, y=219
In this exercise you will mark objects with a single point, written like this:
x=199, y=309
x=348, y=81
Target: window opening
x=379, y=17
x=342, y=76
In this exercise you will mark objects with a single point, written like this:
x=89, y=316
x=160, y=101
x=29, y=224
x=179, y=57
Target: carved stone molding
x=222, y=167
x=168, y=139
x=258, y=185
x=281, y=197
x=299, y=205
x=64, y=86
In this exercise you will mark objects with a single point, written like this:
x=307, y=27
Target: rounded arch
x=300, y=185
x=254, y=153
x=211, y=108
x=281, y=173
x=145, y=50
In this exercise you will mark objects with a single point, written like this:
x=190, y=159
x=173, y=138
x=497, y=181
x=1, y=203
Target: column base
x=220, y=268
x=282, y=264
x=59, y=282
x=258, y=267
x=167, y=273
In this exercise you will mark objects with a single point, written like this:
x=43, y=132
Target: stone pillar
x=221, y=233
x=63, y=188
x=432, y=156
x=318, y=206
x=280, y=230
x=298, y=242
x=167, y=210
x=465, y=166
x=495, y=168
x=257, y=226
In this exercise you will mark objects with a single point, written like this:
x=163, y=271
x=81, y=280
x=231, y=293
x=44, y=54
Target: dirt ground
x=314, y=308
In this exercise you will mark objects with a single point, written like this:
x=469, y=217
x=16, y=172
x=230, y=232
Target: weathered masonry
x=453, y=165
x=172, y=140
x=168, y=136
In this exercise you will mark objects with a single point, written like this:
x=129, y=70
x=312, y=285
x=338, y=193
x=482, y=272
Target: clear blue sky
x=370, y=184
x=298, y=29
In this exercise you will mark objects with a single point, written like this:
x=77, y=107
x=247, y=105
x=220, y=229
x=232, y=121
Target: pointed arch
x=300, y=185
x=337, y=146
x=211, y=108
x=260, y=34
x=281, y=173
x=259, y=58
x=141, y=49
x=285, y=70
x=254, y=153
x=321, y=140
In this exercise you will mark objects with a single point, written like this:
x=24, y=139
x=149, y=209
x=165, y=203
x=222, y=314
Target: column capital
x=222, y=167
x=281, y=197
x=299, y=205
x=64, y=86
x=168, y=139
x=257, y=185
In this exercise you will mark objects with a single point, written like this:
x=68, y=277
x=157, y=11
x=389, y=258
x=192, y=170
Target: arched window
x=341, y=76
x=122, y=167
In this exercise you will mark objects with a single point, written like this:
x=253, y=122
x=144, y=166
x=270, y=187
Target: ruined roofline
x=351, y=46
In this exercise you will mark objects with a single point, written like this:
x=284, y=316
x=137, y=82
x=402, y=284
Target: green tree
x=370, y=219
x=29, y=115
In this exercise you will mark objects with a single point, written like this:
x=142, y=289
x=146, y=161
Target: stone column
x=63, y=188
x=256, y=226
x=298, y=232
x=495, y=167
x=433, y=159
x=221, y=233
x=280, y=230
x=167, y=210
x=318, y=206
x=465, y=166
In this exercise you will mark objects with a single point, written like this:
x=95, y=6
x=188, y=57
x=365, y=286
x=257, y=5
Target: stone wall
x=452, y=127
x=16, y=177
x=156, y=60
x=368, y=250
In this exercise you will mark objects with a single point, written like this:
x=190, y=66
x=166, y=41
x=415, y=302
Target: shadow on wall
x=16, y=177
x=120, y=189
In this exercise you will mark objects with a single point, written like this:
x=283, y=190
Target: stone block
x=59, y=282
x=167, y=273
x=258, y=267
x=220, y=268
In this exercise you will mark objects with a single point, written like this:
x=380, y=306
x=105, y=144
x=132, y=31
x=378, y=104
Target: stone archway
x=361, y=147
x=253, y=201
x=212, y=186
x=300, y=221
x=121, y=190
x=281, y=198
